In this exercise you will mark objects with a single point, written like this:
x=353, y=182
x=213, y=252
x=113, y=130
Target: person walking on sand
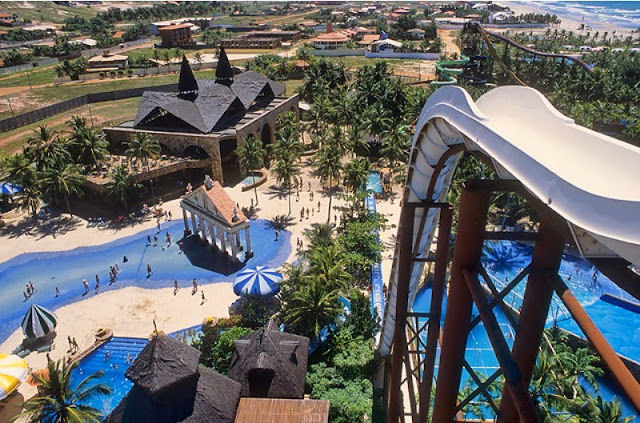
x=311, y=196
x=70, y=343
x=203, y=298
x=75, y=345
x=175, y=287
x=149, y=271
x=195, y=287
x=318, y=206
x=170, y=216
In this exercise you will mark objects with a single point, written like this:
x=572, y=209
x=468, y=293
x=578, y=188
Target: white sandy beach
x=129, y=311
x=570, y=22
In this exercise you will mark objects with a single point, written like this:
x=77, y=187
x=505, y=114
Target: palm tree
x=378, y=120
x=122, y=185
x=58, y=402
x=29, y=198
x=19, y=169
x=88, y=145
x=198, y=59
x=45, y=147
x=320, y=235
x=313, y=306
x=328, y=167
x=251, y=156
x=397, y=144
x=62, y=179
x=287, y=169
x=327, y=264
x=356, y=173
x=144, y=148
x=609, y=412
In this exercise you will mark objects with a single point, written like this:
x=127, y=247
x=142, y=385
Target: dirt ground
x=448, y=37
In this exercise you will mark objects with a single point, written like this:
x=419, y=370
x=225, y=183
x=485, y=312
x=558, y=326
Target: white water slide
x=590, y=179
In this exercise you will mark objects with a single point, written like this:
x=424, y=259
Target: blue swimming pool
x=114, y=367
x=374, y=182
x=503, y=261
x=250, y=180
x=67, y=269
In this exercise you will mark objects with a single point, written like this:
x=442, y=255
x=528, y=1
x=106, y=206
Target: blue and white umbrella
x=259, y=281
x=9, y=189
x=39, y=322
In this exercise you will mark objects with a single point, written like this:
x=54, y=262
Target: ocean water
x=623, y=14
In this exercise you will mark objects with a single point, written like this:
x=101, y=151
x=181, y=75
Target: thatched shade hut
x=170, y=386
x=270, y=364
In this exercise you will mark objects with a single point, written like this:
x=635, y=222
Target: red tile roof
x=223, y=203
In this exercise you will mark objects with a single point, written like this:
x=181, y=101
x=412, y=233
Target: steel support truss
x=418, y=335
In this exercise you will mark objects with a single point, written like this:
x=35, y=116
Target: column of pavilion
x=211, y=231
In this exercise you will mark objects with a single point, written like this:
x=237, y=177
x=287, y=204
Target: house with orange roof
x=217, y=219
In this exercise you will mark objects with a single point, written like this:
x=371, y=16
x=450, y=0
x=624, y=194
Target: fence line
x=32, y=116
x=28, y=66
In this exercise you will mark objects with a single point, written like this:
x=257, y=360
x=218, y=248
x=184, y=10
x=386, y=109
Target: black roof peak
x=224, y=73
x=187, y=84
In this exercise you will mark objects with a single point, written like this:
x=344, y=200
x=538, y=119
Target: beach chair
x=90, y=223
x=24, y=353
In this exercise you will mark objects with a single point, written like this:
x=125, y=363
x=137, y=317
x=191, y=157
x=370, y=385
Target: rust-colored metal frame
x=465, y=290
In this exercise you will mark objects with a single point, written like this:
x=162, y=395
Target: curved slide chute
x=451, y=69
x=589, y=179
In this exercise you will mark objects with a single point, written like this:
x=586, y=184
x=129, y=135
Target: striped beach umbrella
x=38, y=322
x=13, y=371
x=9, y=188
x=259, y=281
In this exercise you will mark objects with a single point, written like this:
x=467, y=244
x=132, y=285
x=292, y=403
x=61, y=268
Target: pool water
x=118, y=349
x=250, y=180
x=67, y=269
x=503, y=260
x=374, y=182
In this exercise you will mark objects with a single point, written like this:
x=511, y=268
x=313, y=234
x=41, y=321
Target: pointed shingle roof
x=201, y=396
x=162, y=364
x=187, y=83
x=202, y=103
x=268, y=349
x=224, y=72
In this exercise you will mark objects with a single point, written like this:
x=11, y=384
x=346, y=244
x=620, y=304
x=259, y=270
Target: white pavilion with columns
x=216, y=219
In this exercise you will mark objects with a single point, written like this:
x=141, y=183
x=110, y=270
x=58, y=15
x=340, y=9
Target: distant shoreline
x=570, y=21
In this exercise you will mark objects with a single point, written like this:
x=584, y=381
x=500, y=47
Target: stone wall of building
x=176, y=142
x=256, y=126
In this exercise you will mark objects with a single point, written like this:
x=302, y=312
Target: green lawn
x=38, y=76
x=44, y=11
x=104, y=114
x=292, y=85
